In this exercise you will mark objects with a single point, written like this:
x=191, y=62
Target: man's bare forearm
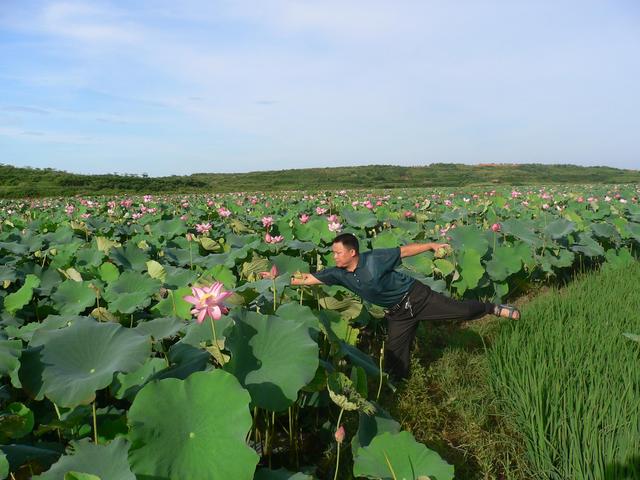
x=416, y=248
x=304, y=279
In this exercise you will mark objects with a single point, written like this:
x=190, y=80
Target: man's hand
x=304, y=279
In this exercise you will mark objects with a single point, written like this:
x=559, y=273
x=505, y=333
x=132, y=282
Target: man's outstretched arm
x=305, y=279
x=416, y=248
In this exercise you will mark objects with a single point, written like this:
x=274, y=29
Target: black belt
x=398, y=306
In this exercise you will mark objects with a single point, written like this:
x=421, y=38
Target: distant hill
x=36, y=182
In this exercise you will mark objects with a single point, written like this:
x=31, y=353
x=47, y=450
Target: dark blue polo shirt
x=374, y=279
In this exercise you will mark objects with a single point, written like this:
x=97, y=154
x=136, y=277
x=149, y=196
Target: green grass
x=571, y=380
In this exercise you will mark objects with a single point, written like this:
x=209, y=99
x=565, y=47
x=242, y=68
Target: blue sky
x=177, y=87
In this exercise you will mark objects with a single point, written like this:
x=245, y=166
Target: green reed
x=571, y=380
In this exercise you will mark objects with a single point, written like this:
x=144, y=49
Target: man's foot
x=507, y=311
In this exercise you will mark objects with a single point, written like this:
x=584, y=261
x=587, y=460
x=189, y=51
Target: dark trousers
x=423, y=304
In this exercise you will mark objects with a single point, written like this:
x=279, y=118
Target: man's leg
x=401, y=329
x=440, y=307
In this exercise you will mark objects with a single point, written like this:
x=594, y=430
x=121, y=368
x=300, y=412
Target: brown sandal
x=512, y=312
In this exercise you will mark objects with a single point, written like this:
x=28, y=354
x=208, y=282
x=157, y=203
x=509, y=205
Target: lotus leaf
x=272, y=357
x=105, y=461
x=398, y=455
x=72, y=298
x=16, y=422
x=193, y=428
x=469, y=238
x=131, y=291
x=129, y=257
x=505, y=261
x=10, y=351
x=15, y=301
x=370, y=426
x=82, y=358
x=560, y=228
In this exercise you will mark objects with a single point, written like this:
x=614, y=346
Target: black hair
x=348, y=240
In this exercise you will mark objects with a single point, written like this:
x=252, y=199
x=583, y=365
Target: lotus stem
x=290, y=429
x=95, y=424
x=215, y=341
x=335, y=475
x=274, y=294
x=381, y=361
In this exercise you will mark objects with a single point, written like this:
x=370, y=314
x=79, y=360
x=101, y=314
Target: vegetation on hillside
x=35, y=182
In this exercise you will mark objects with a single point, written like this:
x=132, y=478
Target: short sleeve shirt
x=374, y=279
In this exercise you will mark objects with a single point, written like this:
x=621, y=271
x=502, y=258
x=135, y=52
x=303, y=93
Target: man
x=372, y=275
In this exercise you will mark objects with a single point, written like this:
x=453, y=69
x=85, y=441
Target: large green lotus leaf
x=88, y=257
x=129, y=258
x=301, y=314
x=16, y=422
x=4, y=465
x=385, y=239
x=131, y=291
x=560, y=228
x=43, y=454
x=360, y=359
x=198, y=334
x=280, y=474
x=177, y=277
x=72, y=298
x=80, y=476
x=169, y=228
x=223, y=274
x=471, y=269
x=618, y=259
x=272, y=357
x=469, y=238
x=105, y=461
x=505, y=261
x=634, y=229
x=287, y=264
x=7, y=273
x=108, y=272
x=193, y=428
x=501, y=290
x=160, y=328
x=587, y=245
x=306, y=233
x=82, y=358
x=370, y=426
x=175, y=304
x=521, y=229
x=184, y=360
x=445, y=267
x=10, y=351
x=408, y=458
x=15, y=301
x=604, y=230
x=419, y=263
x=563, y=258
x=348, y=305
x=359, y=218
x=126, y=385
x=336, y=327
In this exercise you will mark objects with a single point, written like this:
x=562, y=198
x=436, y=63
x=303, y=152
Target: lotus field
x=146, y=337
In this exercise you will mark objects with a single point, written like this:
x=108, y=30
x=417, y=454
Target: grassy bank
x=556, y=395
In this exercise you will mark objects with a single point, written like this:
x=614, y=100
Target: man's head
x=345, y=249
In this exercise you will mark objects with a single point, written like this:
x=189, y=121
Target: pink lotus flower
x=203, y=227
x=207, y=302
x=69, y=209
x=147, y=198
x=447, y=203
x=223, y=212
x=275, y=239
x=332, y=218
x=545, y=206
x=267, y=221
x=273, y=273
x=320, y=210
x=495, y=227
x=335, y=227
x=304, y=218
x=408, y=214
x=339, y=435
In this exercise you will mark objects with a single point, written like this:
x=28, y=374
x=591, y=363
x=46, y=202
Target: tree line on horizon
x=20, y=182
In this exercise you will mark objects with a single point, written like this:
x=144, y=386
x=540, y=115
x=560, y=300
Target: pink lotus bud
x=495, y=227
x=339, y=435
